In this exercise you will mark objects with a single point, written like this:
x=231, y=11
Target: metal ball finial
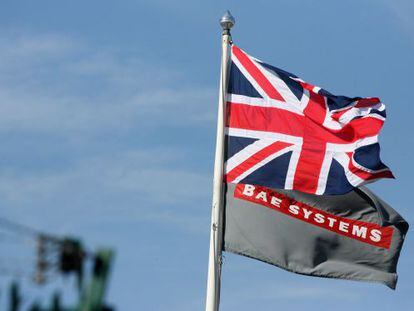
x=227, y=21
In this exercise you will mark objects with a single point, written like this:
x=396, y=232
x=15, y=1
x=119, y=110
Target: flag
x=288, y=134
x=354, y=236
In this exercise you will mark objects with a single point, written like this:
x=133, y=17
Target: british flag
x=285, y=133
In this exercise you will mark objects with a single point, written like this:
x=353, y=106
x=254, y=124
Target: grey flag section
x=254, y=230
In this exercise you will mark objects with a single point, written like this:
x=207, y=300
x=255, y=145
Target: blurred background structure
x=33, y=258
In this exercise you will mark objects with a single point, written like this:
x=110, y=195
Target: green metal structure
x=91, y=294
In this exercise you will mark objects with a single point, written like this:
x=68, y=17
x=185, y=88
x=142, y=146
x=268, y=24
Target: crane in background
x=65, y=256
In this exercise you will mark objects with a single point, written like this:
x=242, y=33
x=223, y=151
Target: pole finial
x=227, y=21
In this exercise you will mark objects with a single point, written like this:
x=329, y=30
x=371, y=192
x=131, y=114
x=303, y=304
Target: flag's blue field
x=107, y=130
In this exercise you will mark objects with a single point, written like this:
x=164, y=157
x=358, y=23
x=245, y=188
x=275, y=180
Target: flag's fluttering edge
x=288, y=134
x=353, y=236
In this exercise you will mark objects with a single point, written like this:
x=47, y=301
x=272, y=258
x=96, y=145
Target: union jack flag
x=285, y=133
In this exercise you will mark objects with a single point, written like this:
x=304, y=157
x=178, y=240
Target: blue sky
x=107, y=125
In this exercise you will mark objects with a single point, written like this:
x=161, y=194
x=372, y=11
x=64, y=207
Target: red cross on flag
x=285, y=133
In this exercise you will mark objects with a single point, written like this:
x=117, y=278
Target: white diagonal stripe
x=280, y=85
x=248, y=76
x=246, y=153
x=262, y=163
x=343, y=159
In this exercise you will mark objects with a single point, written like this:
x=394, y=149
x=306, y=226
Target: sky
x=107, y=131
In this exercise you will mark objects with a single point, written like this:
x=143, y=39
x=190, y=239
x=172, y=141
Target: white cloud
x=42, y=111
x=54, y=83
x=21, y=47
x=81, y=95
x=150, y=175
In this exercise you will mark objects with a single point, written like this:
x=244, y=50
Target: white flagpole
x=216, y=233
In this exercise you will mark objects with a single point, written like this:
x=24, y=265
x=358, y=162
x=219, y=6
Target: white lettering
x=262, y=195
x=375, y=235
x=319, y=218
x=359, y=231
x=331, y=221
x=315, y=216
x=248, y=190
x=294, y=209
x=306, y=213
x=343, y=226
x=275, y=201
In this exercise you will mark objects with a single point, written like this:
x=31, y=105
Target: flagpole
x=216, y=230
